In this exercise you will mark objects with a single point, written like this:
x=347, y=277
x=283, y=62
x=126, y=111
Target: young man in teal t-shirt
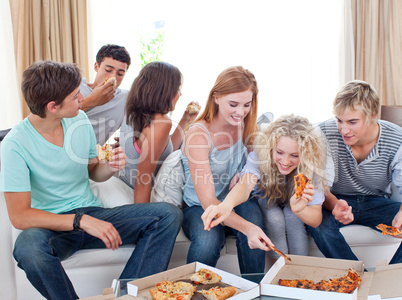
x=46, y=163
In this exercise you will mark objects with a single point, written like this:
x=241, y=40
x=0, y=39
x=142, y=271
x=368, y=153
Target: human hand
x=117, y=144
x=234, y=181
x=119, y=160
x=397, y=223
x=257, y=239
x=103, y=93
x=190, y=118
x=343, y=212
x=215, y=214
x=298, y=205
x=102, y=230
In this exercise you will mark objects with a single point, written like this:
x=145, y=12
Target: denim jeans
x=206, y=245
x=368, y=211
x=152, y=227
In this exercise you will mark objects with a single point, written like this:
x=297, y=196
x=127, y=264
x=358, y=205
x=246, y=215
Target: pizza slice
x=300, y=184
x=166, y=290
x=388, y=230
x=192, y=108
x=111, y=79
x=298, y=283
x=345, y=284
x=280, y=253
x=219, y=293
x=104, y=152
x=205, y=276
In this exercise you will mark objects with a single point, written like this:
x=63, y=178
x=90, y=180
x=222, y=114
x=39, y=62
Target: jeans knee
x=30, y=246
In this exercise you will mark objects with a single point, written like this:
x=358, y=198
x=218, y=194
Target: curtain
x=378, y=46
x=49, y=29
x=301, y=52
x=10, y=112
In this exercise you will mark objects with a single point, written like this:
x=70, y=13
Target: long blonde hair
x=234, y=80
x=278, y=188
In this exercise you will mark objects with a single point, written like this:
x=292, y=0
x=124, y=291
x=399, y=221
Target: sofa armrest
x=7, y=275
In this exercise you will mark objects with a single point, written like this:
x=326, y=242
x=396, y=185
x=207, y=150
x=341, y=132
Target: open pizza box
x=140, y=288
x=384, y=283
x=312, y=268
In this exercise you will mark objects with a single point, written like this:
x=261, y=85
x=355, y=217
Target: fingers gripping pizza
x=388, y=230
x=192, y=109
x=300, y=184
x=104, y=152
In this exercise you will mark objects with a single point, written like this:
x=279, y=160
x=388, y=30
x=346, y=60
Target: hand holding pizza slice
x=300, y=184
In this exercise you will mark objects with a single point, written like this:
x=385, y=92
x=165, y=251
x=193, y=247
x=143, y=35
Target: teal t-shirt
x=57, y=177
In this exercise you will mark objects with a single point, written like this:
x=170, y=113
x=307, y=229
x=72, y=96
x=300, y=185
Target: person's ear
x=96, y=67
x=51, y=107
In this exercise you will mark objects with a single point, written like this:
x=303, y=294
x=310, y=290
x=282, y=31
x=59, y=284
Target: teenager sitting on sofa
x=144, y=134
x=367, y=158
x=288, y=145
x=213, y=151
x=46, y=162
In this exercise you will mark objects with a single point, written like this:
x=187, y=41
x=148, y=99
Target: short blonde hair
x=275, y=186
x=358, y=93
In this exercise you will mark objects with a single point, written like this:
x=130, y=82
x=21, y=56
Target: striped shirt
x=372, y=176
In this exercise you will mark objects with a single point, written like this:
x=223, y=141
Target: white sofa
x=93, y=270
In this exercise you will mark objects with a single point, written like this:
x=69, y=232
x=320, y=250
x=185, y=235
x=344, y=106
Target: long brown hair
x=230, y=81
x=152, y=93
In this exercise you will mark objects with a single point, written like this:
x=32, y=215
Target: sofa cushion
x=169, y=183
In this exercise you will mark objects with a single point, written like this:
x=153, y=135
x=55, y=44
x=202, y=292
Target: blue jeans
x=152, y=227
x=206, y=245
x=368, y=211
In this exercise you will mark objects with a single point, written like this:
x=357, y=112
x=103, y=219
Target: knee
x=172, y=213
x=30, y=244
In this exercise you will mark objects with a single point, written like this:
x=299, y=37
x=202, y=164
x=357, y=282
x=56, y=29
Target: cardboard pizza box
x=140, y=288
x=308, y=267
x=383, y=283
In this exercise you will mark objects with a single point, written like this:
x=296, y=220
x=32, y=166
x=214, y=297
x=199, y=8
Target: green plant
x=152, y=49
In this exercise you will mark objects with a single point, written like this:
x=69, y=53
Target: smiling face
x=110, y=67
x=234, y=107
x=353, y=127
x=286, y=155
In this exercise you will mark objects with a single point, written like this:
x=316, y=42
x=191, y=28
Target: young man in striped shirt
x=365, y=157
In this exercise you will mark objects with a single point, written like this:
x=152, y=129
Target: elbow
x=19, y=224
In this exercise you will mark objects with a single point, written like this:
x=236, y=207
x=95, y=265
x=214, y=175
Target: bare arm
x=186, y=120
x=216, y=214
x=154, y=141
x=23, y=216
x=103, y=170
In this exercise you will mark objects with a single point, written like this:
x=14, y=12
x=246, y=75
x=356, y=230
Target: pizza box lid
x=308, y=267
x=139, y=288
x=383, y=283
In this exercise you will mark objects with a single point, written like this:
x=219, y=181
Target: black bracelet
x=77, y=220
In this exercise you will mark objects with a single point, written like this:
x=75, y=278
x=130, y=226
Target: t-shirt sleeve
x=14, y=174
x=397, y=170
x=252, y=165
x=319, y=196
